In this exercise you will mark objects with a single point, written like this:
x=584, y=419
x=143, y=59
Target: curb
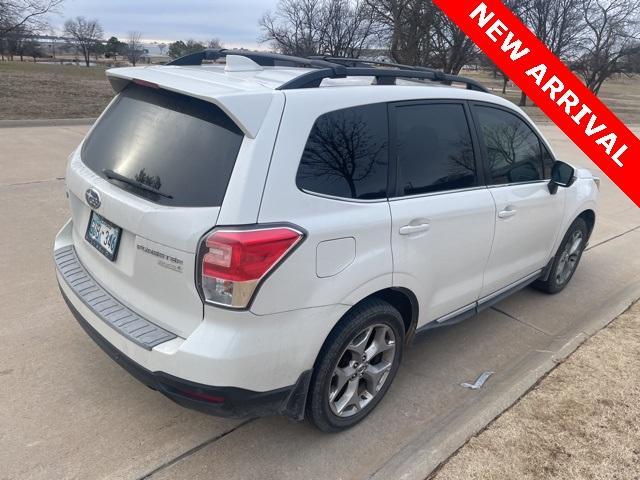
x=46, y=122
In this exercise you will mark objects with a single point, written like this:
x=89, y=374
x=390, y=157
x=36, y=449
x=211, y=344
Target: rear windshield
x=179, y=146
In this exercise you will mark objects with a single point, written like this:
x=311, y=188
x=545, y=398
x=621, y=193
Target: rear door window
x=434, y=149
x=183, y=147
x=346, y=154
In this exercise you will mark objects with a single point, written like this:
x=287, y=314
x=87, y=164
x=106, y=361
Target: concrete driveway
x=68, y=411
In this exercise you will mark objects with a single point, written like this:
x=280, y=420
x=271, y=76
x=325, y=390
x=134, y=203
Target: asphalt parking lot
x=68, y=411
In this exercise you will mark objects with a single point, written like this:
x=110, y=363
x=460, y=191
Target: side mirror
x=562, y=175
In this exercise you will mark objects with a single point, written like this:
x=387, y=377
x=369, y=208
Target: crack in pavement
x=591, y=247
x=193, y=450
x=70, y=128
x=537, y=329
x=32, y=182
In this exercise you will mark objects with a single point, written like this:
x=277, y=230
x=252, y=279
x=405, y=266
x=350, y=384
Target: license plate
x=103, y=235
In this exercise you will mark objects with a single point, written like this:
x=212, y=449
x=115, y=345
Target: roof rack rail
x=383, y=76
x=264, y=59
x=332, y=67
x=438, y=75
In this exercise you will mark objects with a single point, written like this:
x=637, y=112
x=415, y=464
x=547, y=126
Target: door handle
x=411, y=229
x=507, y=212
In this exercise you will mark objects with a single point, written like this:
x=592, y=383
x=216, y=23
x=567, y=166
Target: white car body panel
x=324, y=219
x=443, y=265
x=244, y=192
x=523, y=243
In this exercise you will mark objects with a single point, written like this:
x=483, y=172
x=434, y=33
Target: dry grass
x=581, y=422
x=33, y=91
x=30, y=91
x=621, y=94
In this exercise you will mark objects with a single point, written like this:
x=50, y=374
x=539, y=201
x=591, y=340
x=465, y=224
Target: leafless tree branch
x=313, y=27
x=25, y=14
x=134, y=48
x=85, y=35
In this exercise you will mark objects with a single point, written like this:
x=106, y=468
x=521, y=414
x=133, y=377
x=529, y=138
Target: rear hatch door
x=156, y=166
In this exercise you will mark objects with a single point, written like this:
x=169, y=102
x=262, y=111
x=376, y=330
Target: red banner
x=553, y=87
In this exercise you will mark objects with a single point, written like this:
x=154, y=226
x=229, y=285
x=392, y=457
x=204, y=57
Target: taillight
x=234, y=262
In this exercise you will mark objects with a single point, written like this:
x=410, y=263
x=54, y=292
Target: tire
x=345, y=389
x=567, y=258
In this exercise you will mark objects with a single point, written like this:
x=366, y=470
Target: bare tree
x=179, y=48
x=347, y=27
x=114, y=47
x=15, y=42
x=29, y=14
x=452, y=49
x=406, y=24
x=52, y=45
x=162, y=47
x=312, y=27
x=85, y=35
x=612, y=32
x=632, y=61
x=135, y=49
x=419, y=33
x=214, y=43
x=293, y=27
x=557, y=23
x=32, y=48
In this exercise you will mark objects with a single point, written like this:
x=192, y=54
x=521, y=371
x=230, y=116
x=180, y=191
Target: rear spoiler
x=246, y=109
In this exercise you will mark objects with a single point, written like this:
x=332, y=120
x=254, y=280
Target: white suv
x=266, y=236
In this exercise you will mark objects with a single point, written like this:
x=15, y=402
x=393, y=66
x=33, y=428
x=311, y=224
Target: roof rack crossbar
x=438, y=75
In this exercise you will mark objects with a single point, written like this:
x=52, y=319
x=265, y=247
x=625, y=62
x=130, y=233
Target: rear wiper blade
x=134, y=183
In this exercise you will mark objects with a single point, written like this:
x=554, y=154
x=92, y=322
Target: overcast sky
x=235, y=22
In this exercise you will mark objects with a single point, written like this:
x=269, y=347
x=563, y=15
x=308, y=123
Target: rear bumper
x=220, y=401
x=258, y=364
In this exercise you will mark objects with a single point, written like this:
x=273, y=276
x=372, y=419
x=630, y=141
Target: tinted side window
x=347, y=154
x=435, y=151
x=513, y=150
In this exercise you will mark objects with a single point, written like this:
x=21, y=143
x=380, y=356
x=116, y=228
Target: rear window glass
x=184, y=148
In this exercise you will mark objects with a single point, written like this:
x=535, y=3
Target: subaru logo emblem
x=93, y=198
